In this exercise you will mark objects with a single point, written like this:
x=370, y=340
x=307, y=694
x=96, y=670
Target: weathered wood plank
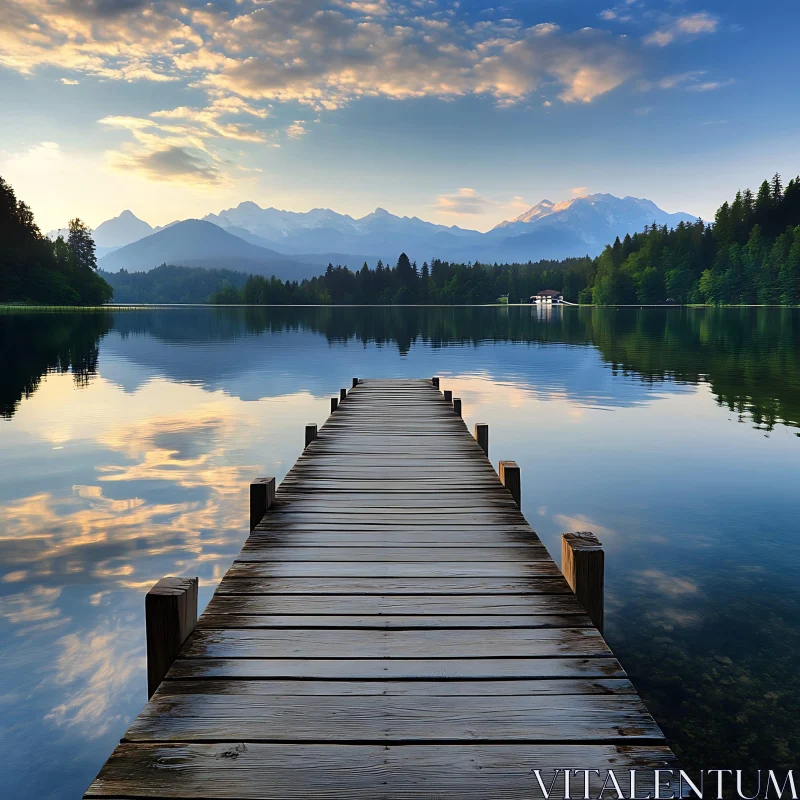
x=416, y=605
x=390, y=569
x=357, y=643
x=393, y=621
x=292, y=553
x=391, y=718
x=521, y=586
x=331, y=772
x=464, y=688
x=395, y=669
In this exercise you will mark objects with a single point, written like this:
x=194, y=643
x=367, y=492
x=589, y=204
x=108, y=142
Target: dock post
x=342, y=395
x=448, y=395
x=311, y=433
x=334, y=404
x=435, y=383
x=509, y=477
x=583, y=565
x=170, y=613
x=482, y=436
x=457, y=405
x=355, y=382
x=262, y=496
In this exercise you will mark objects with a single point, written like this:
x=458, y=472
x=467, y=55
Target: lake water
x=129, y=439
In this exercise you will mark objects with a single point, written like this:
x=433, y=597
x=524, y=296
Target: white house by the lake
x=547, y=296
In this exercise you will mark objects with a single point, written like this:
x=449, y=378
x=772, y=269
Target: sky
x=462, y=113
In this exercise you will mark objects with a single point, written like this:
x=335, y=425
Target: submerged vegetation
x=34, y=269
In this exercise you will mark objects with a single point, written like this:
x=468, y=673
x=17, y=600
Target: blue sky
x=462, y=113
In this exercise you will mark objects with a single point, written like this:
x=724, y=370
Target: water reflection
x=131, y=437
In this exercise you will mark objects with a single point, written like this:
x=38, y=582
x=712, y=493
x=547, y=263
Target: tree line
x=437, y=283
x=34, y=269
x=751, y=254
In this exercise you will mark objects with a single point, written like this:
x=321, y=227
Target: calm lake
x=129, y=438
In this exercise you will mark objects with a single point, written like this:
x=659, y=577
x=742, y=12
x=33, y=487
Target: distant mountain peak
x=621, y=207
x=121, y=230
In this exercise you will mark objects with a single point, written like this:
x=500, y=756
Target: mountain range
x=296, y=245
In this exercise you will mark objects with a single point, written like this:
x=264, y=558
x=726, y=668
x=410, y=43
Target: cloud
x=709, y=86
x=580, y=191
x=127, y=40
x=180, y=142
x=688, y=81
x=464, y=201
x=667, y=584
x=686, y=27
x=168, y=164
x=518, y=203
x=323, y=54
x=580, y=522
x=68, y=82
x=296, y=130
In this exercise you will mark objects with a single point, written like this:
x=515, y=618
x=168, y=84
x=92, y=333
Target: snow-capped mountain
x=596, y=218
x=577, y=227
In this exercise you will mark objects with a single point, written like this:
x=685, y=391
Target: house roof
x=548, y=293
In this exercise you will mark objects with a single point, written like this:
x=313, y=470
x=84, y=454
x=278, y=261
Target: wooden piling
x=311, y=433
x=583, y=565
x=448, y=395
x=509, y=477
x=457, y=405
x=355, y=382
x=262, y=496
x=170, y=610
x=334, y=404
x=342, y=395
x=482, y=436
x=435, y=383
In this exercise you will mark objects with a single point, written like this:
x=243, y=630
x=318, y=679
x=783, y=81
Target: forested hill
x=172, y=284
x=34, y=269
x=750, y=255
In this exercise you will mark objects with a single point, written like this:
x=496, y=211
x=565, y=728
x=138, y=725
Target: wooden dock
x=392, y=628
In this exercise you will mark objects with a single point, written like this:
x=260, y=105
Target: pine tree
x=81, y=246
x=777, y=187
